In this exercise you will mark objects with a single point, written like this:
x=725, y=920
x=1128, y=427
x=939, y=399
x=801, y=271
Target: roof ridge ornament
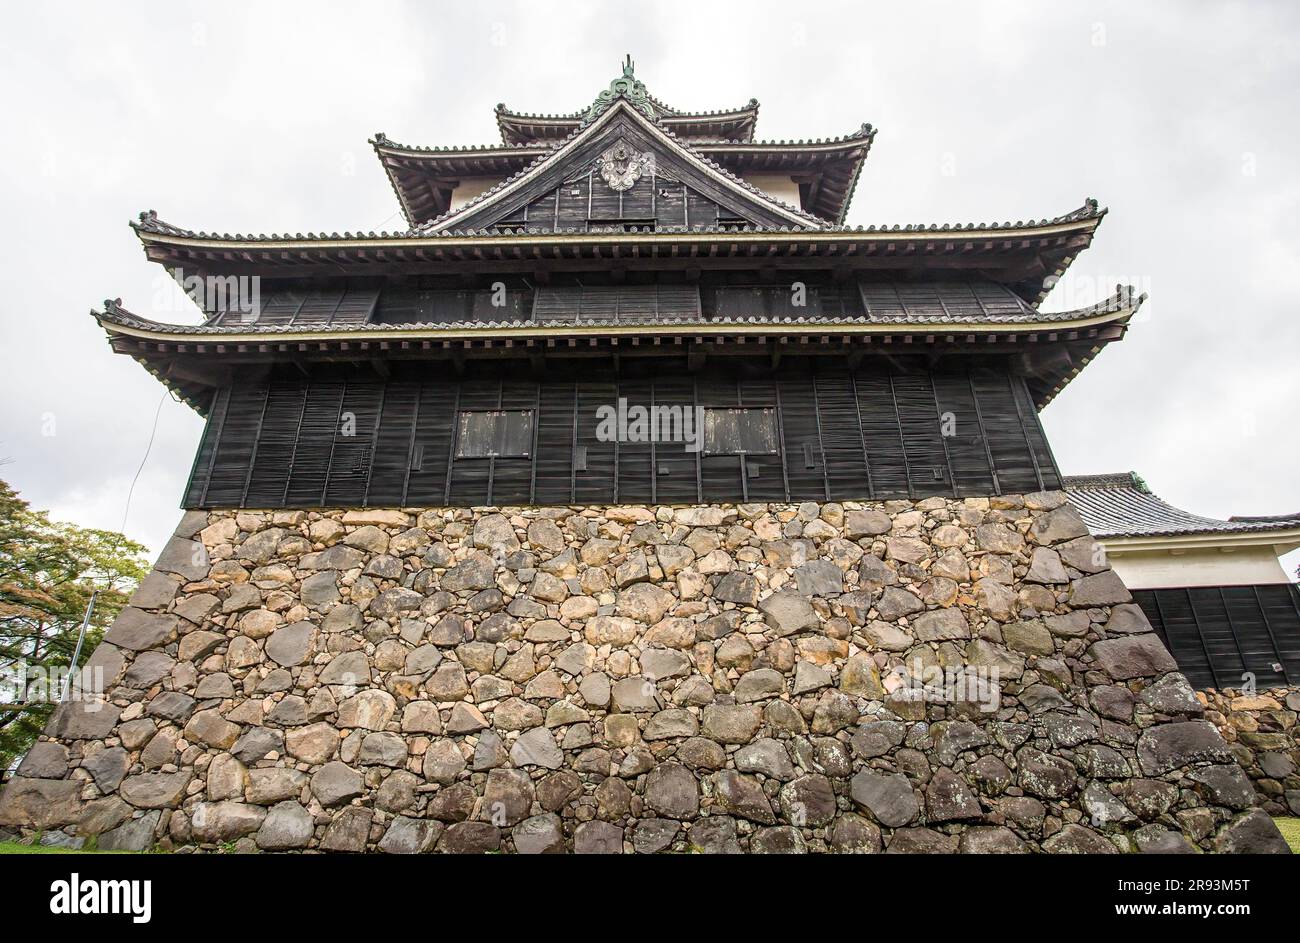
x=626, y=86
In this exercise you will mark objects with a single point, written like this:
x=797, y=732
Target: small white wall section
x=469, y=188
x=780, y=186
x=1157, y=569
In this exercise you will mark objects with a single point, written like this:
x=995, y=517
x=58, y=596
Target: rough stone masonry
x=1260, y=728
x=619, y=679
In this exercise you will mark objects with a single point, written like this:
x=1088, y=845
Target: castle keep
x=814, y=587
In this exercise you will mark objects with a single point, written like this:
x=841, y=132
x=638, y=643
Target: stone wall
x=1261, y=732
x=733, y=678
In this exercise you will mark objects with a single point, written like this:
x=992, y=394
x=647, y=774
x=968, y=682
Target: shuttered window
x=420, y=306
x=635, y=303
x=312, y=308
x=740, y=431
x=950, y=301
x=797, y=300
x=502, y=433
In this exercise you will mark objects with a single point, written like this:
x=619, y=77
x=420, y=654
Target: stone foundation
x=717, y=678
x=1261, y=732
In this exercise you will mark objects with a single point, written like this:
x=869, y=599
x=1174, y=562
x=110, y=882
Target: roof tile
x=1121, y=505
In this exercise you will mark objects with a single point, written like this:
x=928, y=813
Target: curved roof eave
x=508, y=120
x=1121, y=507
x=118, y=320
x=159, y=237
x=153, y=230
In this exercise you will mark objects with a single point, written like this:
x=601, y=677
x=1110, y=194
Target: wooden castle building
x=632, y=500
x=629, y=251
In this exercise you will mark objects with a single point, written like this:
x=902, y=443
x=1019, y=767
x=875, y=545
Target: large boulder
x=1251, y=833
x=1133, y=656
x=288, y=825
x=217, y=822
x=155, y=790
x=887, y=796
x=672, y=791
x=1173, y=745
x=40, y=803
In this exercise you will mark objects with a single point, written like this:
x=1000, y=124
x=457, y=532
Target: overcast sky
x=1180, y=117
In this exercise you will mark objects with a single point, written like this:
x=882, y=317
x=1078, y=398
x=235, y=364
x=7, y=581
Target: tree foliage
x=48, y=571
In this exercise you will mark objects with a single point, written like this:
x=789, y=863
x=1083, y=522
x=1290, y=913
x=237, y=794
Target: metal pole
x=76, y=654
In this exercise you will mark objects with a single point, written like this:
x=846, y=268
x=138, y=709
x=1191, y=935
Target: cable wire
x=126, y=511
x=147, y=449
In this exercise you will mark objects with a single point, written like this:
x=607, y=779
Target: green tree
x=48, y=571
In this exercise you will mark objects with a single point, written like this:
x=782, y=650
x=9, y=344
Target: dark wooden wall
x=1217, y=633
x=649, y=302
x=874, y=432
x=653, y=201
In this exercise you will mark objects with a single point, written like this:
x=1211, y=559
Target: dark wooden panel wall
x=1218, y=633
x=567, y=298
x=875, y=432
x=652, y=201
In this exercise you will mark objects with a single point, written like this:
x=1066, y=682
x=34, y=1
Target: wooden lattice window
x=740, y=431
x=500, y=433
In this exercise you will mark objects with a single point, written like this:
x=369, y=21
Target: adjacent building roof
x=1121, y=505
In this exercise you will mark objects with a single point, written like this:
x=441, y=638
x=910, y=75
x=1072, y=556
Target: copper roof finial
x=627, y=86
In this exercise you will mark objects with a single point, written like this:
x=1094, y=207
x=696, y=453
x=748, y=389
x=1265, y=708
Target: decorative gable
x=623, y=171
x=628, y=189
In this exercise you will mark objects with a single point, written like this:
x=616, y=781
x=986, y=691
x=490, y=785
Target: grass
x=36, y=848
x=17, y=848
x=1290, y=828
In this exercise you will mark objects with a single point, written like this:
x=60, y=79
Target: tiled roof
x=664, y=109
x=150, y=223
x=935, y=311
x=813, y=222
x=744, y=119
x=383, y=140
x=863, y=133
x=400, y=160
x=1121, y=505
